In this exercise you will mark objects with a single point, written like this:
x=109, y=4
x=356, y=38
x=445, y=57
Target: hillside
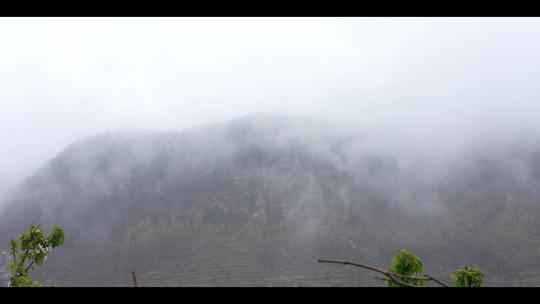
x=256, y=200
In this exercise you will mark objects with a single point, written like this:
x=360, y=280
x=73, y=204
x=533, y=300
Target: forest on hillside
x=258, y=200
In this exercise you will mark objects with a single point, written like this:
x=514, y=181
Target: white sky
x=65, y=78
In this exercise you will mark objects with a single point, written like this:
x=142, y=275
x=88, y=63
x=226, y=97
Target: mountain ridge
x=270, y=182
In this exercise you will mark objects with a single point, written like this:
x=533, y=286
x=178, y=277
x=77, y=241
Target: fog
x=452, y=80
x=262, y=144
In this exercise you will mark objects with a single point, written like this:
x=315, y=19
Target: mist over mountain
x=266, y=195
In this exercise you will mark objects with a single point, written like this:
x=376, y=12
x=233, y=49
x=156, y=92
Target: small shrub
x=468, y=276
x=31, y=248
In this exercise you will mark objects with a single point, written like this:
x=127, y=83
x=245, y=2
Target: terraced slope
x=229, y=263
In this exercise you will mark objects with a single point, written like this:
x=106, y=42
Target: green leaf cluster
x=406, y=269
x=468, y=276
x=31, y=248
x=405, y=264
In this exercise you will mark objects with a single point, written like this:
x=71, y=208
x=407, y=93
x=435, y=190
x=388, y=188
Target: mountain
x=256, y=200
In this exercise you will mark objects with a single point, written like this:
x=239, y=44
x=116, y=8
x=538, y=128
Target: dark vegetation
x=256, y=201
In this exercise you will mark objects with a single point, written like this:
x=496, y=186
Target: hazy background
x=454, y=80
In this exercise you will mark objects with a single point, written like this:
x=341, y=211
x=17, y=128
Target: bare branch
x=399, y=282
x=354, y=264
x=134, y=277
x=28, y=267
x=395, y=281
x=435, y=280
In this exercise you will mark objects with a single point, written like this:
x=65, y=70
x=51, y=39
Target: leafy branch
x=32, y=248
x=388, y=275
x=406, y=270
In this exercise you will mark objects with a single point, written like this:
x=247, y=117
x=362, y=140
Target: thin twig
x=435, y=280
x=395, y=281
x=22, y=262
x=28, y=267
x=400, y=282
x=355, y=264
x=426, y=277
x=134, y=277
x=14, y=256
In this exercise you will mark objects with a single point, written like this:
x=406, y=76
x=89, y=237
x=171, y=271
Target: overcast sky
x=65, y=78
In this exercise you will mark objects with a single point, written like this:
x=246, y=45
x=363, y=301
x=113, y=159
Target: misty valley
x=258, y=200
